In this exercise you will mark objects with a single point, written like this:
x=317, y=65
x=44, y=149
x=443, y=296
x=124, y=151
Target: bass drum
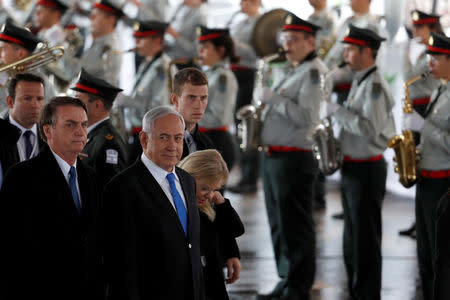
x=266, y=36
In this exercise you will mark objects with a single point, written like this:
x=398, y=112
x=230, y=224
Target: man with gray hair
x=151, y=209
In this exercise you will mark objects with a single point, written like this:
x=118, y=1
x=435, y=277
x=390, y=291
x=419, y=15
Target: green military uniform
x=434, y=164
x=342, y=79
x=19, y=36
x=325, y=37
x=185, y=20
x=222, y=92
x=105, y=151
x=367, y=123
x=103, y=58
x=245, y=71
x=441, y=288
x=289, y=169
x=153, y=10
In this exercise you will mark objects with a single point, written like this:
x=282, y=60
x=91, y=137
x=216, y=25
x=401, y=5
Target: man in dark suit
x=20, y=139
x=152, y=248
x=105, y=150
x=190, y=97
x=50, y=216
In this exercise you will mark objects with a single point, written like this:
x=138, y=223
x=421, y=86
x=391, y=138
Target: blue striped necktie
x=179, y=205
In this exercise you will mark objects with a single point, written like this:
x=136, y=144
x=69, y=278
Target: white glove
x=263, y=94
x=413, y=121
x=3, y=78
x=327, y=109
x=55, y=35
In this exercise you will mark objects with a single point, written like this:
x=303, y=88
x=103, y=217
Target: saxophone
x=249, y=130
x=326, y=149
x=406, y=154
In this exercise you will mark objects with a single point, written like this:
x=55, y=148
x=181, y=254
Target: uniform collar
x=362, y=75
x=92, y=127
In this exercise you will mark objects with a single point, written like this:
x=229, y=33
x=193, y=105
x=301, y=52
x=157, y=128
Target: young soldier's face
x=439, y=65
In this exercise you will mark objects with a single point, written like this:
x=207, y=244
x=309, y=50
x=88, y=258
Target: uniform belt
x=435, y=174
x=136, y=129
x=357, y=160
x=275, y=149
x=203, y=129
x=239, y=68
x=343, y=86
x=421, y=101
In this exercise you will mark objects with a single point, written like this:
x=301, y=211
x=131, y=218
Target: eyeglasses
x=289, y=38
x=431, y=58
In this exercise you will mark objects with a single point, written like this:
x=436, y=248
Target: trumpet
x=42, y=58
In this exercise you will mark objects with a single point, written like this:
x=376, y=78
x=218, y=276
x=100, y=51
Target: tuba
x=406, y=154
x=249, y=130
x=326, y=149
x=42, y=58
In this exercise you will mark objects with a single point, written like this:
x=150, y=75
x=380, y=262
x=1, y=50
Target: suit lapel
x=156, y=195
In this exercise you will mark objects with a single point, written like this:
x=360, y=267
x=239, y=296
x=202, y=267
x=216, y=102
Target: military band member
x=441, y=288
x=151, y=9
x=17, y=43
x=245, y=71
x=181, y=34
x=102, y=59
x=151, y=86
x=323, y=17
x=434, y=147
x=421, y=90
x=288, y=166
x=367, y=123
x=361, y=18
x=325, y=39
x=216, y=50
x=47, y=19
x=105, y=150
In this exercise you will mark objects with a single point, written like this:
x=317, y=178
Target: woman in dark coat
x=219, y=222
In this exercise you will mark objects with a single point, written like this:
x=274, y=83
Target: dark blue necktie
x=73, y=188
x=179, y=205
x=28, y=145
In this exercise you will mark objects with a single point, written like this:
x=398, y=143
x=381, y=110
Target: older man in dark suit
x=49, y=215
x=152, y=228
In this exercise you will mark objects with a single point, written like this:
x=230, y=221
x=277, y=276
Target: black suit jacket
x=202, y=140
x=102, y=139
x=9, y=153
x=49, y=250
x=147, y=254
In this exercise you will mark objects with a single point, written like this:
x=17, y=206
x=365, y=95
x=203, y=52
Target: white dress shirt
x=21, y=142
x=65, y=168
x=160, y=175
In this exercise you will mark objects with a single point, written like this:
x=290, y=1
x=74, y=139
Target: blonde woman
x=219, y=222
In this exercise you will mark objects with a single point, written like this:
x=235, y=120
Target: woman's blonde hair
x=206, y=166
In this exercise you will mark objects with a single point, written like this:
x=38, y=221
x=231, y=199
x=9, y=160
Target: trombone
x=44, y=57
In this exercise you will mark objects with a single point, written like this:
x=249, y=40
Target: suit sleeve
x=229, y=226
x=120, y=242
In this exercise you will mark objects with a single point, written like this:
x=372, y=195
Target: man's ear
x=174, y=100
x=10, y=101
